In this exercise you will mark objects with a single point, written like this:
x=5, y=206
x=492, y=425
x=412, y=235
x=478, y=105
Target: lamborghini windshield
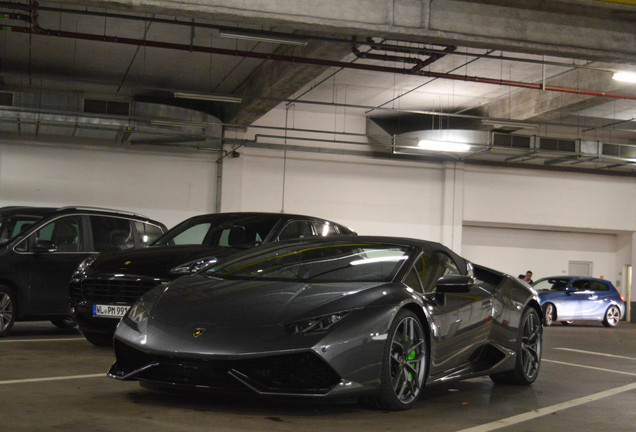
x=317, y=262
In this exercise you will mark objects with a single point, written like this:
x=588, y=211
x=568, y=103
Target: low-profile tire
x=549, y=314
x=404, y=363
x=99, y=339
x=527, y=353
x=7, y=310
x=612, y=316
x=65, y=323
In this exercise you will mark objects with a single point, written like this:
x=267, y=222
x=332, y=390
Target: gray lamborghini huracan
x=374, y=317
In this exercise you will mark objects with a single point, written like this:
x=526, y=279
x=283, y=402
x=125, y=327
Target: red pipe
x=308, y=60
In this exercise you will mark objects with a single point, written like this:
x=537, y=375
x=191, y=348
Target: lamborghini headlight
x=193, y=266
x=137, y=314
x=316, y=324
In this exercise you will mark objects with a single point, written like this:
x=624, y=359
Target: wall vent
x=623, y=151
x=557, y=144
x=101, y=106
x=511, y=140
x=6, y=98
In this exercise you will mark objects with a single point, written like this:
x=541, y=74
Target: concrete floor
x=53, y=380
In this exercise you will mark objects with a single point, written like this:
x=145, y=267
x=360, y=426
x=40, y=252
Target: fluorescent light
x=624, y=76
x=208, y=97
x=262, y=37
x=443, y=146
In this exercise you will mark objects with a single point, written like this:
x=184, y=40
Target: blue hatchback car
x=572, y=298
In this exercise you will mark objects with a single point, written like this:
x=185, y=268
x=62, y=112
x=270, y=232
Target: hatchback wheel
x=612, y=316
x=7, y=310
x=549, y=314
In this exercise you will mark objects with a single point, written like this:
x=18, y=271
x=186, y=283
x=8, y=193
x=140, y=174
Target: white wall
x=545, y=253
x=164, y=186
x=370, y=196
x=546, y=198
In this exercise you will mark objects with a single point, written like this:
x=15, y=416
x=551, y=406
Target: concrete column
x=453, y=205
x=631, y=289
x=231, y=190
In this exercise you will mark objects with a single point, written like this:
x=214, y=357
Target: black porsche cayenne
x=105, y=286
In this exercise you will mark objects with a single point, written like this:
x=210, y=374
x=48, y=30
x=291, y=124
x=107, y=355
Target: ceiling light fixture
x=208, y=97
x=443, y=146
x=629, y=77
x=262, y=37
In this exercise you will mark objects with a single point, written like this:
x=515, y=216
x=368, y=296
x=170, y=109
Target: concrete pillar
x=453, y=205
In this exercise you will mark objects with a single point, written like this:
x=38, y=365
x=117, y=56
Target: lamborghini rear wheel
x=404, y=364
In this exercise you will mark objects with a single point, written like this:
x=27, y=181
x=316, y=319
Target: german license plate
x=110, y=311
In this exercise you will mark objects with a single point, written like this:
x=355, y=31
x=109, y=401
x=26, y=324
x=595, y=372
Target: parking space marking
x=60, y=378
x=596, y=353
x=498, y=424
x=42, y=340
x=589, y=367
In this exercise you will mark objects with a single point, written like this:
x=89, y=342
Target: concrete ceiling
x=540, y=70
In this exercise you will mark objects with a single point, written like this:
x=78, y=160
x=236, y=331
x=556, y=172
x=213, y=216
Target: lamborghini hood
x=236, y=304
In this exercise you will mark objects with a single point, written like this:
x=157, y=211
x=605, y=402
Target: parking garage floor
x=53, y=380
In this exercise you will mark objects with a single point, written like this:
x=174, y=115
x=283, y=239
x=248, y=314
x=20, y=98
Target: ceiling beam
x=569, y=28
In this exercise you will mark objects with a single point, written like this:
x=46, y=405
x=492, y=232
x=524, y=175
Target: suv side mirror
x=454, y=284
x=44, y=246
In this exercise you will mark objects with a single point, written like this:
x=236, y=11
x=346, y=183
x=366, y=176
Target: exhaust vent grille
x=510, y=140
x=556, y=144
x=6, y=98
x=98, y=106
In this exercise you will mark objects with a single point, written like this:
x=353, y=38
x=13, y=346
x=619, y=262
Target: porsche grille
x=111, y=290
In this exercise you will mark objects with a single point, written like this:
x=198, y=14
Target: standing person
x=527, y=277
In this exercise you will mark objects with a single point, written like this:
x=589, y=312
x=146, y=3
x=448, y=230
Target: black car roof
x=244, y=215
x=50, y=211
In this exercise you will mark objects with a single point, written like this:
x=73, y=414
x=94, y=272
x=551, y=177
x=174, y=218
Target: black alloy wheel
x=7, y=310
x=612, y=316
x=404, y=365
x=99, y=339
x=528, y=352
x=65, y=323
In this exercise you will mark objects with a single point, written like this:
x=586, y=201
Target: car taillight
x=622, y=296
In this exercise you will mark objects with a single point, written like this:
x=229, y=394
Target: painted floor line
x=596, y=353
x=589, y=367
x=60, y=378
x=510, y=421
x=42, y=340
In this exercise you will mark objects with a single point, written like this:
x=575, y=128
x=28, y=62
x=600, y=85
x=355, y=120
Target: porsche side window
x=296, y=230
x=325, y=229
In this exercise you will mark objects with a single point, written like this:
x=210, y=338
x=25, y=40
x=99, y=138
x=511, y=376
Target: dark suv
x=105, y=286
x=41, y=247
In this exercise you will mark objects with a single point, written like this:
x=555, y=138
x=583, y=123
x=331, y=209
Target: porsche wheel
x=99, y=339
x=65, y=323
x=549, y=314
x=404, y=364
x=7, y=310
x=528, y=352
x=612, y=316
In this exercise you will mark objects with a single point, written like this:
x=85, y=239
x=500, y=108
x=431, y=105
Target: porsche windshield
x=224, y=231
x=11, y=225
x=317, y=262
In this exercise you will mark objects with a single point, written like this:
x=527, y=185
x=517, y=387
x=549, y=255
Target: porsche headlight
x=193, y=266
x=316, y=324
x=84, y=265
